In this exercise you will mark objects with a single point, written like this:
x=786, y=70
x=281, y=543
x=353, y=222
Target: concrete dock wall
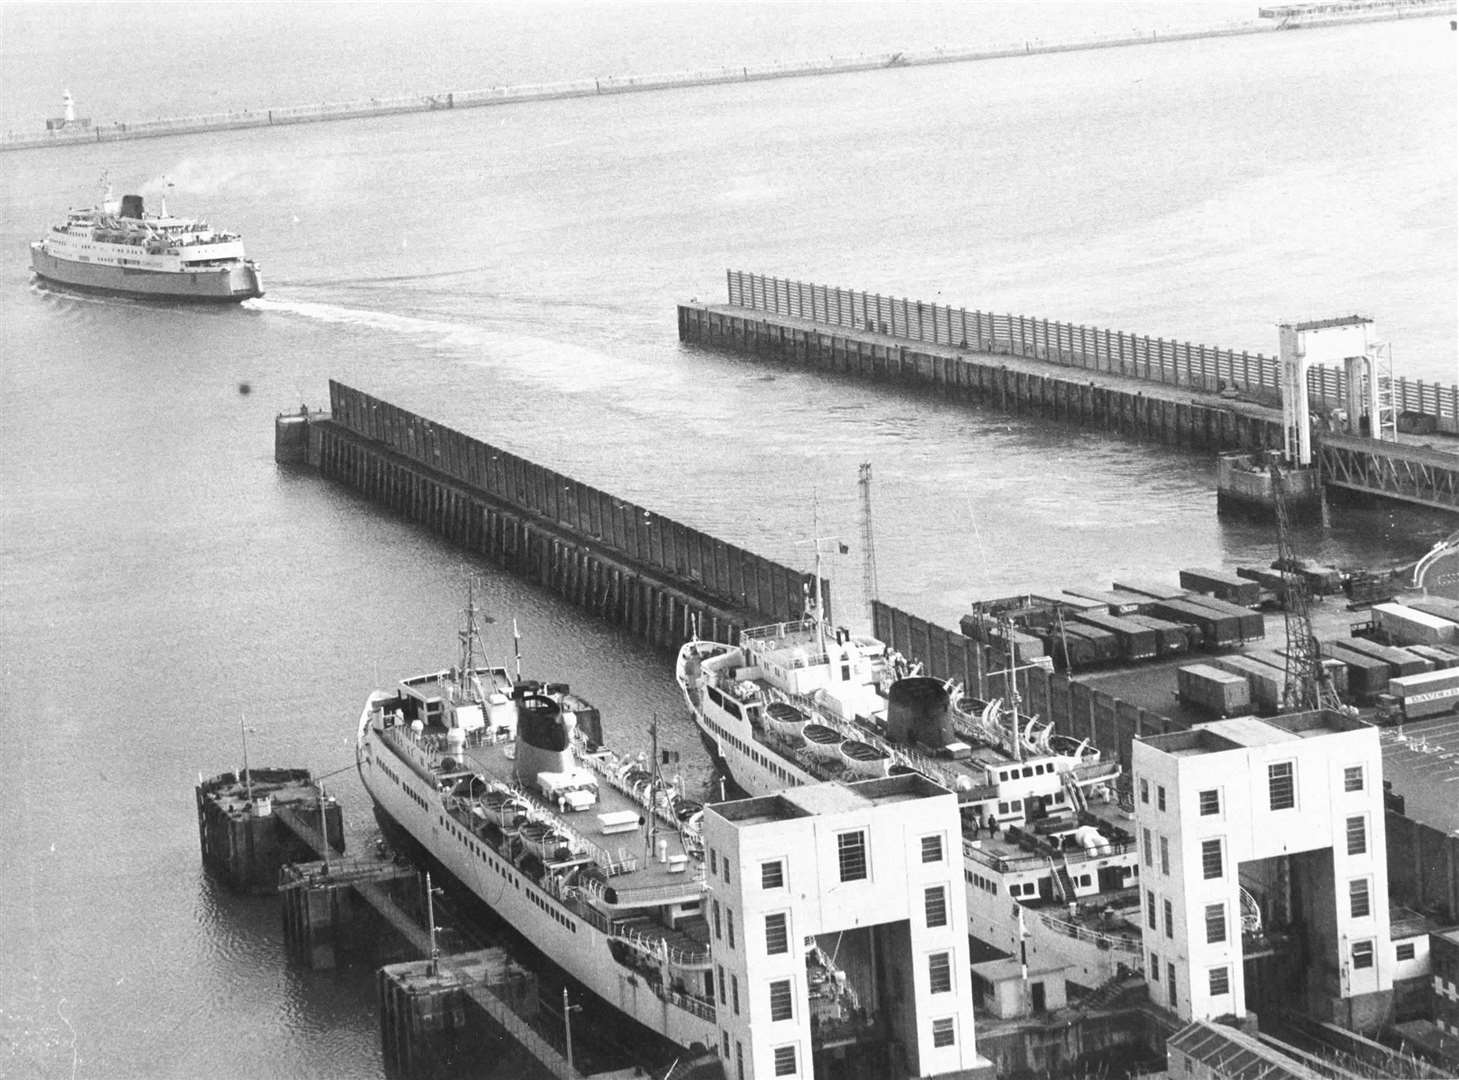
x=977, y=375
x=624, y=84
x=615, y=559
x=1203, y=368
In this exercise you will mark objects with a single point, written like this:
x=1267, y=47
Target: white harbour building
x=1263, y=868
x=839, y=933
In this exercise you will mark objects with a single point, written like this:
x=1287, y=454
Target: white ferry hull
x=227, y=284
x=574, y=945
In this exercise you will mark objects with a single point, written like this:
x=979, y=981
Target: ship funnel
x=544, y=738
x=918, y=711
x=132, y=206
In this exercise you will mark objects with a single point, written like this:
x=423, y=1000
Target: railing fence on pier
x=1116, y=352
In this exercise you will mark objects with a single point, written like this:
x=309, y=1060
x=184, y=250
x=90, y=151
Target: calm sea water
x=513, y=272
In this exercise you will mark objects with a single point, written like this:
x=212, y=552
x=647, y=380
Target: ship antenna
x=517, y=648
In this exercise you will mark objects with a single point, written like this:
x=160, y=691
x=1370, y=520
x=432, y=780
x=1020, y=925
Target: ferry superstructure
x=589, y=856
x=1050, y=859
x=121, y=249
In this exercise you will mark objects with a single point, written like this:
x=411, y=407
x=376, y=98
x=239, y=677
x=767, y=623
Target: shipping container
x=1136, y=642
x=1441, y=606
x=1074, y=646
x=1117, y=601
x=1221, y=584
x=1252, y=623
x=1266, y=579
x=1152, y=589
x=1264, y=682
x=1321, y=580
x=1403, y=625
x=1367, y=675
x=1412, y=697
x=1171, y=638
x=1400, y=661
x=1214, y=690
x=1337, y=671
x=1441, y=658
x=1217, y=631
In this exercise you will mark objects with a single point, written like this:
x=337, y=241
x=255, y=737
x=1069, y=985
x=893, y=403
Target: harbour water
x=513, y=273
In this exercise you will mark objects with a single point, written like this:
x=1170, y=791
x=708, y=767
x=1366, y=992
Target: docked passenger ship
x=1044, y=835
x=591, y=857
x=119, y=248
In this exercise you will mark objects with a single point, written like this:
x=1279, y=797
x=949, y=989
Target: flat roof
x=833, y=797
x=1236, y=1055
x=1248, y=731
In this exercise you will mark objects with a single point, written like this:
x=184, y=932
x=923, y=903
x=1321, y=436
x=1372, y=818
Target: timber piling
x=658, y=579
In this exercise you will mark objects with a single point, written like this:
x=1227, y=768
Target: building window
x=1149, y=850
x=1210, y=859
x=1280, y=787
x=1165, y=854
x=724, y=868
x=1358, y=904
x=943, y=1032
x=1169, y=919
x=785, y=1060
x=1220, y=981
x=1160, y=797
x=851, y=848
x=726, y=1043
x=1404, y=951
x=729, y=924
x=1144, y=791
x=1170, y=983
x=939, y=972
x=1362, y=954
x=740, y=1059
x=1215, y=923
x=935, y=903
x=713, y=861
x=1150, y=908
x=932, y=848
x=1210, y=802
x=735, y=994
x=714, y=912
x=723, y=982
x=772, y=875
x=1352, y=778
x=777, y=940
x=780, y=1004
x=1357, y=835
x=1154, y=967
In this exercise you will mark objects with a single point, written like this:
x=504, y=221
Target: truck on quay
x=1413, y=697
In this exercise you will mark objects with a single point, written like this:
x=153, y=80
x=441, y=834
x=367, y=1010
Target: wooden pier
x=1151, y=389
x=651, y=575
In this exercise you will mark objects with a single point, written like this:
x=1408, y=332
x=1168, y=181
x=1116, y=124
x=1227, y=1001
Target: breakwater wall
x=657, y=578
x=1166, y=361
x=1076, y=710
x=114, y=131
x=1008, y=381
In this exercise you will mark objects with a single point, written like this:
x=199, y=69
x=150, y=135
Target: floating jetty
x=69, y=131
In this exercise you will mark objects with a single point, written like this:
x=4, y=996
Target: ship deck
x=618, y=831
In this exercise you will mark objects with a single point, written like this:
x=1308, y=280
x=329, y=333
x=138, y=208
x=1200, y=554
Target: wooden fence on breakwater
x=1159, y=360
x=1076, y=710
x=1009, y=382
x=654, y=576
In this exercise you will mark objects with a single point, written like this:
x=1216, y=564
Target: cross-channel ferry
x=121, y=249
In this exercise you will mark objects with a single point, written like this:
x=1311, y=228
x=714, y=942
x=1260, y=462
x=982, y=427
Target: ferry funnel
x=918, y=711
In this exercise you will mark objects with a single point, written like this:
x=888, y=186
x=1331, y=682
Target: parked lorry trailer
x=1413, y=697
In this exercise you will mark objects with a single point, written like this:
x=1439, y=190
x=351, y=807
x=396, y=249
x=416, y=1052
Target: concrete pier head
x=244, y=825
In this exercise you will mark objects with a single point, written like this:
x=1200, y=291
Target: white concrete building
x=839, y=932
x=1264, y=877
